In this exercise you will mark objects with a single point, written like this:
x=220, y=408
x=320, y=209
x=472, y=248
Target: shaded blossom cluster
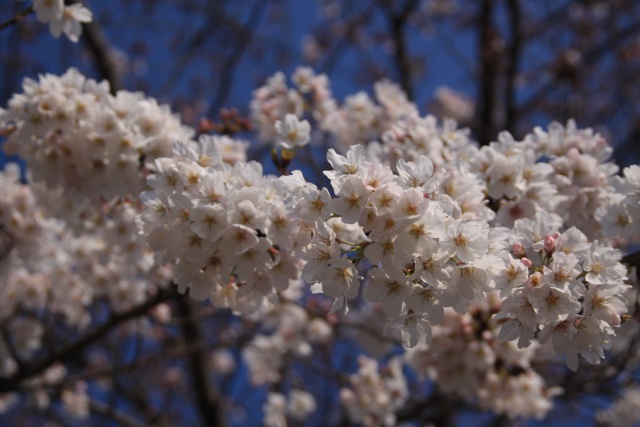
x=374, y=394
x=467, y=359
x=50, y=272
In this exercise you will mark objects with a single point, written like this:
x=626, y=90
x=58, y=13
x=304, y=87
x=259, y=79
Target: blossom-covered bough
x=483, y=264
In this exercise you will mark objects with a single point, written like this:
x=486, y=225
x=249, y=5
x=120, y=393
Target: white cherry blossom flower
x=340, y=281
x=531, y=233
x=352, y=198
x=389, y=289
x=471, y=280
x=465, y=240
x=602, y=266
x=606, y=303
x=551, y=304
x=293, y=133
x=238, y=239
x=301, y=404
x=48, y=10
x=382, y=250
x=414, y=328
x=342, y=166
x=69, y=22
x=512, y=276
x=417, y=175
x=505, y=176
x=209, y=221
x=430, y=301
x=562, y=270
x=434, y=269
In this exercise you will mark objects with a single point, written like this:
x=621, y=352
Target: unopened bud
x=549, y=243
x=161, y=313
x=518, y=249
x=573, y=153
x=527, y=262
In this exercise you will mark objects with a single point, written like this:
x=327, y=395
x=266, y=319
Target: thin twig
x=237, y=50
x=207, y=399
x=17, y=18
x=588, y=60
x=116, y=415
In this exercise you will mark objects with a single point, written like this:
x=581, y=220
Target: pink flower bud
x=518, y=249
x=527, y=262
x=549, y=243
x=572, y=153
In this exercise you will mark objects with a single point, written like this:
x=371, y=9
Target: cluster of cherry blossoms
x=491, y=219
x=408, y=239
x=374, y=395
x=225, y=226
x=296, y=407
x=394, y=122
x=78, y=137
x=563, y=174
x=479, y=258
x=47, y=271
x=288, y=332
x=62, y=18
x=467, y=359
x=625, y=412
x=562, y=288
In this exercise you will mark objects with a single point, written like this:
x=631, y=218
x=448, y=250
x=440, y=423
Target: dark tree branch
x=340, y=48
x=588, y=60
x=397, y=23
x=28, y=370
x=7, y=242
x=106, y=63
x=102, y=51
x=237, y=50
x=192, y=47
x=114, y=414
x=206, y=397
x=16, y=18
x=515, y=46
x=488, y=73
